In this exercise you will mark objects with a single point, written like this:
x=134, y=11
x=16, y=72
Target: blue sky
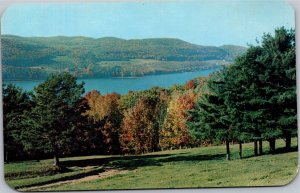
x=203, y=22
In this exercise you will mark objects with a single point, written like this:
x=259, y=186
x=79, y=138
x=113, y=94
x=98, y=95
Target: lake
x=123, y=85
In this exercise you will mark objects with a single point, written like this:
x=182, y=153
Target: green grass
x=186, y=168
x=29, y=173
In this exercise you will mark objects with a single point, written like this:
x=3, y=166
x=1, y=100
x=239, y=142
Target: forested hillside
x=37, y=57
x=254, y=99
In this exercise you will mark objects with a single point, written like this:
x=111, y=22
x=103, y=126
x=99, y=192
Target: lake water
x=123, y=85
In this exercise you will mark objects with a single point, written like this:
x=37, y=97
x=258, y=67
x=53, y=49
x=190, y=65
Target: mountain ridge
x=37, y=57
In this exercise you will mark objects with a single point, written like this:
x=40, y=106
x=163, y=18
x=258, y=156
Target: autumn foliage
x=141, y=122
x=106, y=117
x=174, y=133
x=254, y=99
x=138, y=128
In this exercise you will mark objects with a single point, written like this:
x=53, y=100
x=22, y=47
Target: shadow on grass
x=134, y=162
x=193, y=158
x=45, y=171
x=139, y=160
x=283, y=150
x=73, y=177
x=280, y=150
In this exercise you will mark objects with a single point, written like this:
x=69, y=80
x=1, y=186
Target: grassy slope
x=198, y=167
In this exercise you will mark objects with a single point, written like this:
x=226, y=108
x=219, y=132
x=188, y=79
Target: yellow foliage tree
x=174, y=133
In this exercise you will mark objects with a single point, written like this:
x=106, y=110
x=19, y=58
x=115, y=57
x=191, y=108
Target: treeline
x=110, y=69
x=56, y=120
x=252, y=100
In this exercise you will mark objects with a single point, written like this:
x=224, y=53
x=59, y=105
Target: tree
x=106, y=116
x=230, y=88
x=255, y=98
x=138, y=128
x=279, y=59
x=55, y=113
x=174, y=133
x=94, y=140
x=160, y=98
x=190, y=85
x=266, y=96
x=129, y=100
x=211, y=120
x=246, y=99
x=16, y=103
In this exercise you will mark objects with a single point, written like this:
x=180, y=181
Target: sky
x=203, y=22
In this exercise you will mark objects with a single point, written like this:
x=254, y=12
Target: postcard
x=149, y=95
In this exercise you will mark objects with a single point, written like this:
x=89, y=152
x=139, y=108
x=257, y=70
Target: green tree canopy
x=16, y=103
x=55, y=113
x=254, y=98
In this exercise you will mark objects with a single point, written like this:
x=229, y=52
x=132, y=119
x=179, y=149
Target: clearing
x=185, y=168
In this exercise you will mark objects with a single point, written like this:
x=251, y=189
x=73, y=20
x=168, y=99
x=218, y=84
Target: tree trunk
x=260, y=147
x=56, y=160
x=6, y=157
x=288, y=141
x=241, y=150
x=272, y=142
x=37, y=156
x=255, y=147
x=227, y=150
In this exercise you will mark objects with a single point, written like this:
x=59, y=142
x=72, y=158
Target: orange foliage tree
x=138, y=127
x=105, y=114
x=174, y=133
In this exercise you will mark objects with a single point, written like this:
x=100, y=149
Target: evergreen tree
x=16, y=103
x=279, y=59
x=210, y=118
x=55, y=113
x=268, y=73
x=262, y=89
x=248, y=98
x=255, y=98
x=235, y=102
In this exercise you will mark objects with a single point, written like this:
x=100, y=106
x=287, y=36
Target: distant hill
x=37, y=57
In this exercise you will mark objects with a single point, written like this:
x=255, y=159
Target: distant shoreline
x=110, y=77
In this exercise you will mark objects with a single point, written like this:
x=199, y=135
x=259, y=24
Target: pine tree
x=211, y=118
x=254, y=98
x=279, y=59
x=56, y=113
x=268, y=73
x=16, y=104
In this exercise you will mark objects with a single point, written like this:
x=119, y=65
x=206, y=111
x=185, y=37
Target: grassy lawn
x=186, y=168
